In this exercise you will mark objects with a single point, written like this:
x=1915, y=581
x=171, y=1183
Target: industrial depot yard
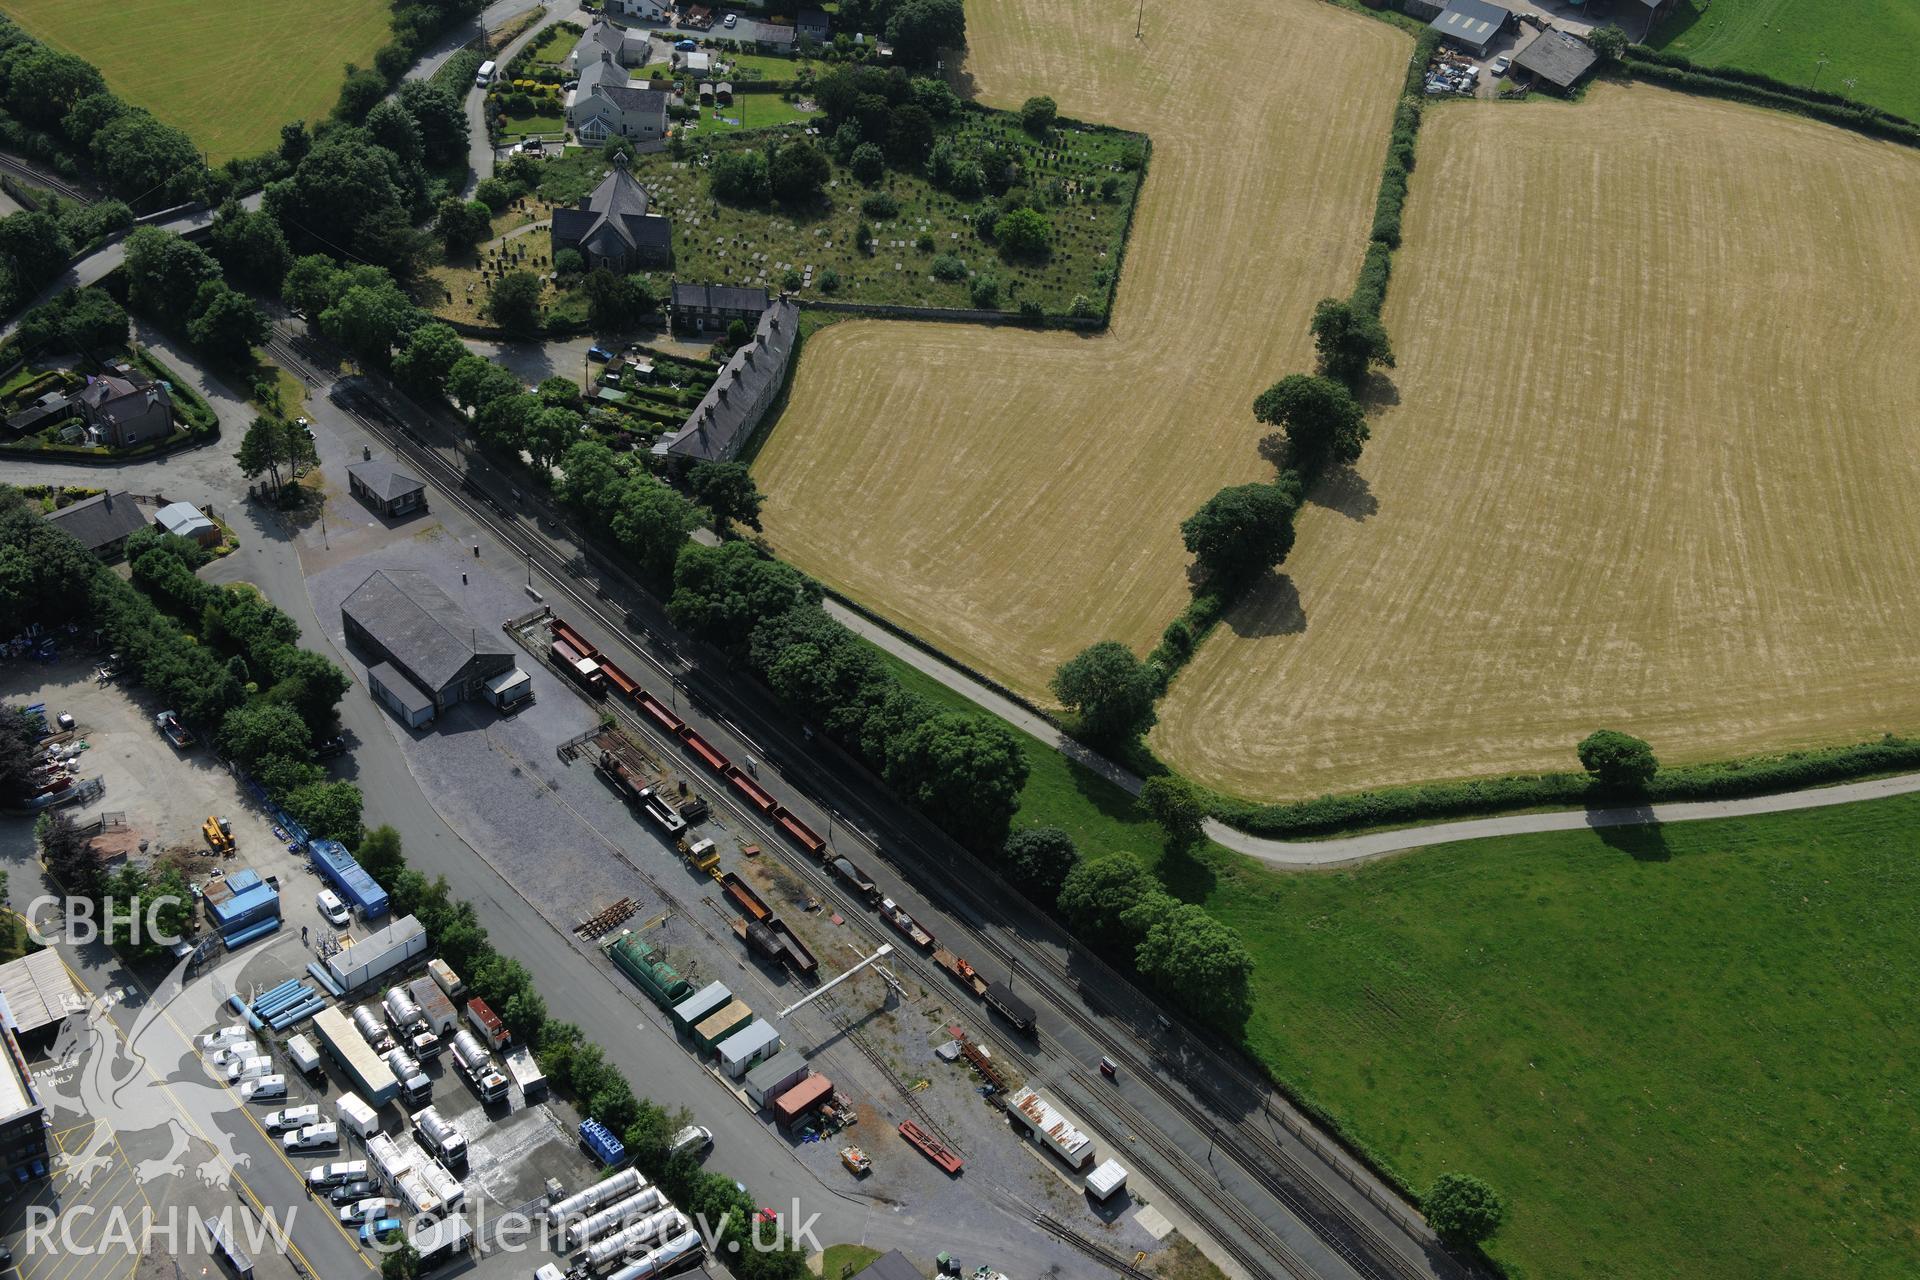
x=1641, y=489
x=572, y=848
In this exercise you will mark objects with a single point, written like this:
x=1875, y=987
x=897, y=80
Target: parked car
x=599, y=353
x=270, y=1088
x=380, y=1227
x=334, y=746
x=686, y=46
x=694, y=1137
x=292, y=1117
x=732, y=18
x=338, y=1173
x=312, y=1137
x=350, y=1192
x=363, y=1210
x=1500, y=65
x=332, y=908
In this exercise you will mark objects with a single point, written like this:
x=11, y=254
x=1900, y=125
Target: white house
x=604, y=105
x=644, y=10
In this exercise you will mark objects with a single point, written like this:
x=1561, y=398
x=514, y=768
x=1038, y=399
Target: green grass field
x=748, y=111
x=1682, y=1052
x=228, y=72
x=1875, y=43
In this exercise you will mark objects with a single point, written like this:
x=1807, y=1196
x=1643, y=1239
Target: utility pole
x=1139, y=19
x=1819, y=65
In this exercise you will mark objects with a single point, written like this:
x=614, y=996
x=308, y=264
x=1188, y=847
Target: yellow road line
x=232, y=1173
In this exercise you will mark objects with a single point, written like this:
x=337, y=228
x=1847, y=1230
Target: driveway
x=480, y=153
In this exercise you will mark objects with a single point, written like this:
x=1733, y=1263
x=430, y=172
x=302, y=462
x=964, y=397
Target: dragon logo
x=132, y=1079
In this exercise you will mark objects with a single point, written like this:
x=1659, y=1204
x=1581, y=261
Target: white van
x=332, y=1175
x=334, y=910
x=266, y=1089
x=314, y=1135
x=233, y=1051
x=484, y=76
x=248, y=1069
x=231, y=1034
x=695, y=1137
x=292, y=1117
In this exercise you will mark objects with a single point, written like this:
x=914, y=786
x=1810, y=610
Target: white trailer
x=378, y=953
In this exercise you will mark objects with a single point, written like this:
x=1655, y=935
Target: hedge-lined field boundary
x=1676, y=72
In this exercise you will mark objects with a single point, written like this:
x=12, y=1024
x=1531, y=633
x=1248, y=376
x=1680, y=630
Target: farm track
x=1343, y=1233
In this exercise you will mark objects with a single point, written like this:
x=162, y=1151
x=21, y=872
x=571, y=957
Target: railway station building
x=423, y=651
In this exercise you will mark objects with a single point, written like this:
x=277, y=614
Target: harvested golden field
x=1655, y=464
x=1012, y=496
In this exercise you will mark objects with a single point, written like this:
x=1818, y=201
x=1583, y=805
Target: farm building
x=1472, y=25
x=612, y=227
x=102, y=523
x=188, y=521
x=1558, y=59
x=726, y=416
x=385, y=488
x=1643, y=12
x=426, y=650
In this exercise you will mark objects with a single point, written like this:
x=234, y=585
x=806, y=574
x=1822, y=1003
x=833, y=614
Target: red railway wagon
x=661, y=716
x=623, y=684
x=561, y=631
x=745, y=898
x=931, y=1147
x=700, y=747
x=802, y=834
x=756, y=794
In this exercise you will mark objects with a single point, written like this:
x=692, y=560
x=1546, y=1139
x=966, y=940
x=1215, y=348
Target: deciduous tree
x=1618, y=761
x=1349, y=342
x=1462, y=1208
x=1039, y=860
x=514, y=304
x=1110, y=691
x=1178, y=807
x=727, y=490
x=1243, y=530
x=1322, y=421
x=1192, y=957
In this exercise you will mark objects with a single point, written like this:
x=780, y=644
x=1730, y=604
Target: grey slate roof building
x=603, y=103
x=102, y=523
x=413, y=630
x=703, y=306
x=612, y=226
x=748, y=384
x=892, y=1265
x=126, y=410
x=1558, y=58
x=385, y=488
x=813, y=24
x=1472, y=24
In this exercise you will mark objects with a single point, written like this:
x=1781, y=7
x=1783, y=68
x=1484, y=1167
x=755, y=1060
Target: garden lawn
x=760, y=66
x=1875, y=43
x=228, y=72
x=549, y=124
x=554, y=46
x=748, y=111
x=1679, y=1051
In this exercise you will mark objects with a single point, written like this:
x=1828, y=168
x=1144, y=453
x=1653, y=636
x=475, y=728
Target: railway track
x=1343, y=1231
x=16, y=169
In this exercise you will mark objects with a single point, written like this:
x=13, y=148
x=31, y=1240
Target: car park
x=292, y=1117
x=338, y=1173
x=334, y=910
x=314, y=1136
x=268, y=1088
x=362, y=1210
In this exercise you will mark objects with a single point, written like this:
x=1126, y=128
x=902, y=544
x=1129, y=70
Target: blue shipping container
x=599, y=1139
x=349, y=878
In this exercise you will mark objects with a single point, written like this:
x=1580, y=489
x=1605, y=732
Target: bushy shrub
x=950, y=268
x=880, y=205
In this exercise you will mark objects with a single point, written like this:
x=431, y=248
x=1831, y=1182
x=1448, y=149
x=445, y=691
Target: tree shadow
x=1346, y=491
x=1271, y=607
x=1185, y=874
x=1633, y=830
x=1379, y=391
x=1275, y=448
